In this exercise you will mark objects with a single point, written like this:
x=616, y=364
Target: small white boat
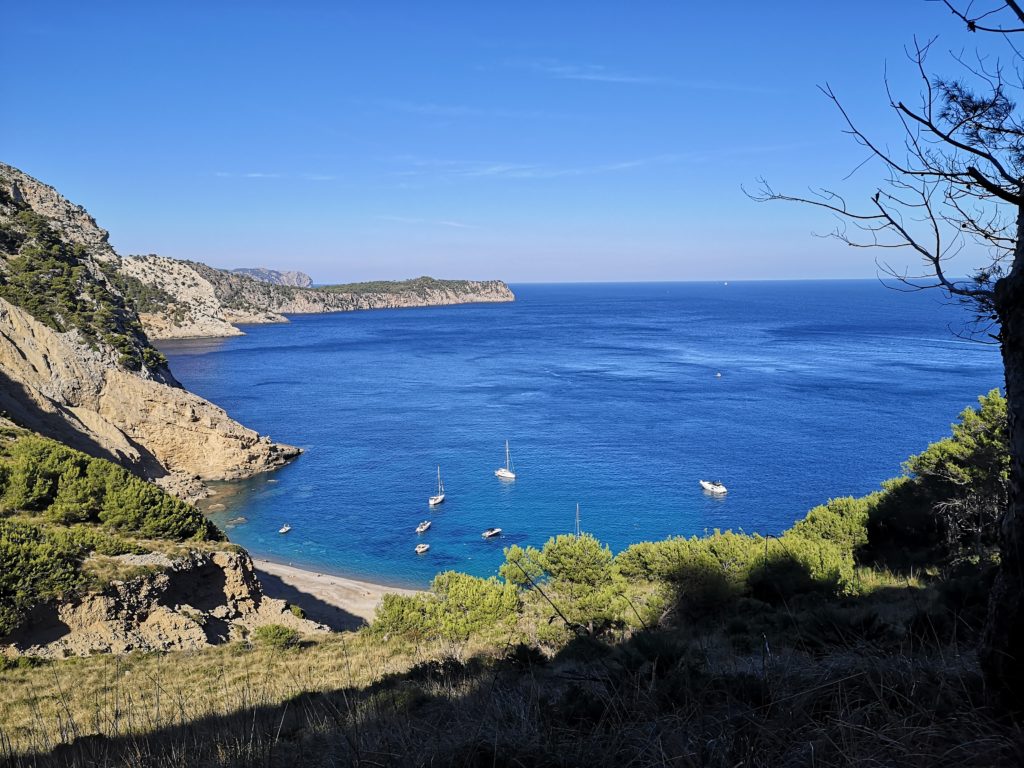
x=421, y=548
x=437, y=499
x=490, y=533
x=422, y=527
x=506, y=472
x=714, y=487
x=284, y=528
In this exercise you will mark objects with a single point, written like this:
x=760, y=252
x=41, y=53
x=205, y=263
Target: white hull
x=504, y=474
x=421, y=548
x=716, y=488
x=285, y=529
x=491, y=533
x=423, y=527
x=435, y=500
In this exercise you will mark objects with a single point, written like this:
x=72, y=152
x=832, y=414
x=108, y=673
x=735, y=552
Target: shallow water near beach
x=609, y=397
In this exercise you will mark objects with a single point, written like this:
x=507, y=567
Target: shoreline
x=343, y=604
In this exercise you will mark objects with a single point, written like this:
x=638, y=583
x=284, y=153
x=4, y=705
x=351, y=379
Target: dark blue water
x=608, y=396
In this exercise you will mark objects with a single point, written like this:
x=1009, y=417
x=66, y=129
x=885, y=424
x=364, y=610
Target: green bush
x=35, y=566
x=276, y=636
x=68, y=486
x=466, y=605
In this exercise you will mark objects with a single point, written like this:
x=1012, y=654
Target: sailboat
x=506, y=473
x=435, y=500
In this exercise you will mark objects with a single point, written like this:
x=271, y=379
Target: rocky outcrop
x=80, y=371
x=207, y=302
x=272, y=276
x=54, y=385
x=191, y=601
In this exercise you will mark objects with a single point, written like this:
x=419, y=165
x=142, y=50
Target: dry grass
x=660, y=698
x=141, y=693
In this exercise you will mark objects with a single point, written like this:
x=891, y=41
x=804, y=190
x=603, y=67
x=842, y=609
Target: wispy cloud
x=597, y=73
x=431, y=222
x=265, y=175
x=455, y=169
x=601, y=73
x=452, y=111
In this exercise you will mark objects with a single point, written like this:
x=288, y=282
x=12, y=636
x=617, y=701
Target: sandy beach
x=340, y=603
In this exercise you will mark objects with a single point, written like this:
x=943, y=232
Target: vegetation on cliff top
x=420, y=286
x=55, y=282
x=58, y=506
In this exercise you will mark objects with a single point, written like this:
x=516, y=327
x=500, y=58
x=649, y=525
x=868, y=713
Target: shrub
x=276, y=636
x=71, y=487
x=35, y=566
x=466, y=605
x=402, y=615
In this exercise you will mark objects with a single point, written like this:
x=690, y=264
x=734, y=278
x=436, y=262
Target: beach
x=340, y=603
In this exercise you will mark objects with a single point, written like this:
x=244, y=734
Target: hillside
x=275, y=277
x=96, y=560
x=185, y=299
x=76, y=364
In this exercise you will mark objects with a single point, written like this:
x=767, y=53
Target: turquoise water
x=609, y=397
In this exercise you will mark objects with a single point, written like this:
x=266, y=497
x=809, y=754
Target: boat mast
x=577, y=519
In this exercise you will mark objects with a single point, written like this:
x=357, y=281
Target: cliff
x=75, y=363
x=186, y=299
x=191, y=600
x=273, y=276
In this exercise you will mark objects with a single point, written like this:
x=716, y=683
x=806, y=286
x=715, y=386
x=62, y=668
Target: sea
x=618, y=398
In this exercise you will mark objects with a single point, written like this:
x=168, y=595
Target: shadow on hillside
x=808, y=682
x=315, y=609
x=19, y=405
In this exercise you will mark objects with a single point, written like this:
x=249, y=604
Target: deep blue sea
x=608, y=396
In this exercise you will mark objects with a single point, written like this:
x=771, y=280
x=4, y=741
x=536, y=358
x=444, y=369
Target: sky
x=527, y=141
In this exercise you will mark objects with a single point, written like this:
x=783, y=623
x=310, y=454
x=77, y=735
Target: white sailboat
x=506, y=472
x=437, y=499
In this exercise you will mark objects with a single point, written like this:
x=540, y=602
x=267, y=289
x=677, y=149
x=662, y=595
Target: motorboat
x=439, y=497
x=506, y=472
x=421, y=548
x=490, y=533
x=284, y=528
x=422, y=527
x=714, y=487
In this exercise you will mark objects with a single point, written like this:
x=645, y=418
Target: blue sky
x=526, y=141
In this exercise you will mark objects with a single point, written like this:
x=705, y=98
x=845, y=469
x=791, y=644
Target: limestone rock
x=273, y=276
x=198, y=599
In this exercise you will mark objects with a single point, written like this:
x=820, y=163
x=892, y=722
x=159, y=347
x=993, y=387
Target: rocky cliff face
x=201, y=301
x=189, y=601
x=74, y=363
x=272, y=276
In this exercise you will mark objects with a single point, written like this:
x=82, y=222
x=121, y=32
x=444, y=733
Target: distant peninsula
x=187, y=299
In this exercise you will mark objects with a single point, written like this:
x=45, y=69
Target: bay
x=610, y=397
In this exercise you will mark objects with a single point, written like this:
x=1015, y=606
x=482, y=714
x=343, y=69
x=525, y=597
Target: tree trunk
x=1002, y=649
